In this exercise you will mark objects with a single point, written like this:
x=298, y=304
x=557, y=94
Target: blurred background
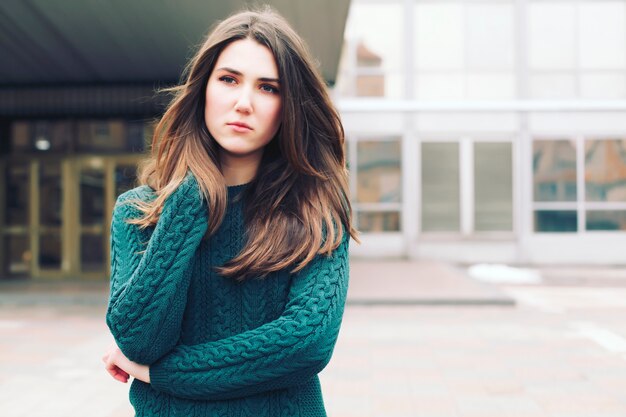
x=486, y=143
x=477, y=131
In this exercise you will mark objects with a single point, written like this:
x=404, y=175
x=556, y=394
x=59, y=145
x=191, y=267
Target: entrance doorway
x=56, y=216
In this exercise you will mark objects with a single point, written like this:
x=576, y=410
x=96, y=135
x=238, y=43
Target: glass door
x=91, y=208
x=15, y=251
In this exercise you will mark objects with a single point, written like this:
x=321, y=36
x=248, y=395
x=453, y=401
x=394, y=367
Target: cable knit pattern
x=217, y=347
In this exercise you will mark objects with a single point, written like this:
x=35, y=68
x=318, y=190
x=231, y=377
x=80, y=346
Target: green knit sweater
x=217, y=347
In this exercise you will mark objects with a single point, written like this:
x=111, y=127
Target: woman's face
x=243, y=102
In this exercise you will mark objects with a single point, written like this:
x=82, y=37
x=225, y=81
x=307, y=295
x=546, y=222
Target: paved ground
x=425, y=340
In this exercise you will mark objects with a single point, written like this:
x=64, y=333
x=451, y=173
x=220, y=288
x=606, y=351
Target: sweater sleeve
x=149, y=290
x=282, y=353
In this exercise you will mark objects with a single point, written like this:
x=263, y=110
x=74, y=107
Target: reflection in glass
x=91, y=253
x=606, y=220
x=440, y=187
x=17, y=255
x=379, y=222
x=387, y=44
x=372, y=60
x=379, y=173
x=493, y=187
x=125, y=178
x=91, y=195
x=17, y=194
x=50, y=193
x=556, y=221
x=605, y=170
x=554, y=170
x=50, y=251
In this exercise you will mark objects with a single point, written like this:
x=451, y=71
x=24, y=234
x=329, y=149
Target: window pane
x=491, y=86
x=92, y=253
x=552, y=34
x=556, y=221
x=440, y=187
x=439, y=86
x=379, y=173
x=41, y=136
x=611, y=85
x=602, y=34
x=379, y=222
x=125, y=178
x=50, y=251
x=102, y=136
x=490, y=29
x=553, y=86
x=493, y=187
x=386, y=42
x=50, y=193
x=17, y=188
x=20, y=137
x=554, y=168
x=605, y=170
x=439, y=32
x=389, y=84
x=92, y=193
x=17, y=254
x=606, y=220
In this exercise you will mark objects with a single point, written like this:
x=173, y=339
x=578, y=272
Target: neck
x=240, y=169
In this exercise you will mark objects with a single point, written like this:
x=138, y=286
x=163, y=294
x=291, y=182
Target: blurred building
x=477, y=130
x=487, y=130
x=78, y=105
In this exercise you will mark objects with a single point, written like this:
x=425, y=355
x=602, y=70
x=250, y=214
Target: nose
x=244, y=102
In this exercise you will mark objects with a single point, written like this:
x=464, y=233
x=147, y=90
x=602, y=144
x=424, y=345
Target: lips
x=240, y=125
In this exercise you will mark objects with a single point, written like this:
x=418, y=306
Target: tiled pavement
x=418, y=339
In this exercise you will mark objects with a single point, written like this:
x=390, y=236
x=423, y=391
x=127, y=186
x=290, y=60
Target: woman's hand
x=121, y=368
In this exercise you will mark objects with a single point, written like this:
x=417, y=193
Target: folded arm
x=149, y=289
x=282, y=353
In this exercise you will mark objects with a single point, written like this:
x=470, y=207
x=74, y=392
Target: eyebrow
x=234, y=71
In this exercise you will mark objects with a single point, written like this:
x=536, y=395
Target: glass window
x=553, y=86
x=552, y=34
x=379, y=173
x=102, y=136
x=382, y=47
x=556, y=221
x=602, y=34
x=17, y=188
x=440, y=187
x=20, y=137
x=493, y=173
x=603, y=86
x=369, y=222
x=490, y=42
x=491, y=86
x=41, y=136
x=50, y=194
x=440, y=86
x=605, y=170
x=606, y=220
x=372, y=60
x=439, y=36
x=554, y=170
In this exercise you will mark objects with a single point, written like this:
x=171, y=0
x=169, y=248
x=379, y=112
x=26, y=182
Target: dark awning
x=69, y=42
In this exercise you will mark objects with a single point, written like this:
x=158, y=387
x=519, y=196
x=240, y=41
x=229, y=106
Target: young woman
x=229, y=264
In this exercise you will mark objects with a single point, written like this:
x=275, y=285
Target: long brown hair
x=298, y=204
